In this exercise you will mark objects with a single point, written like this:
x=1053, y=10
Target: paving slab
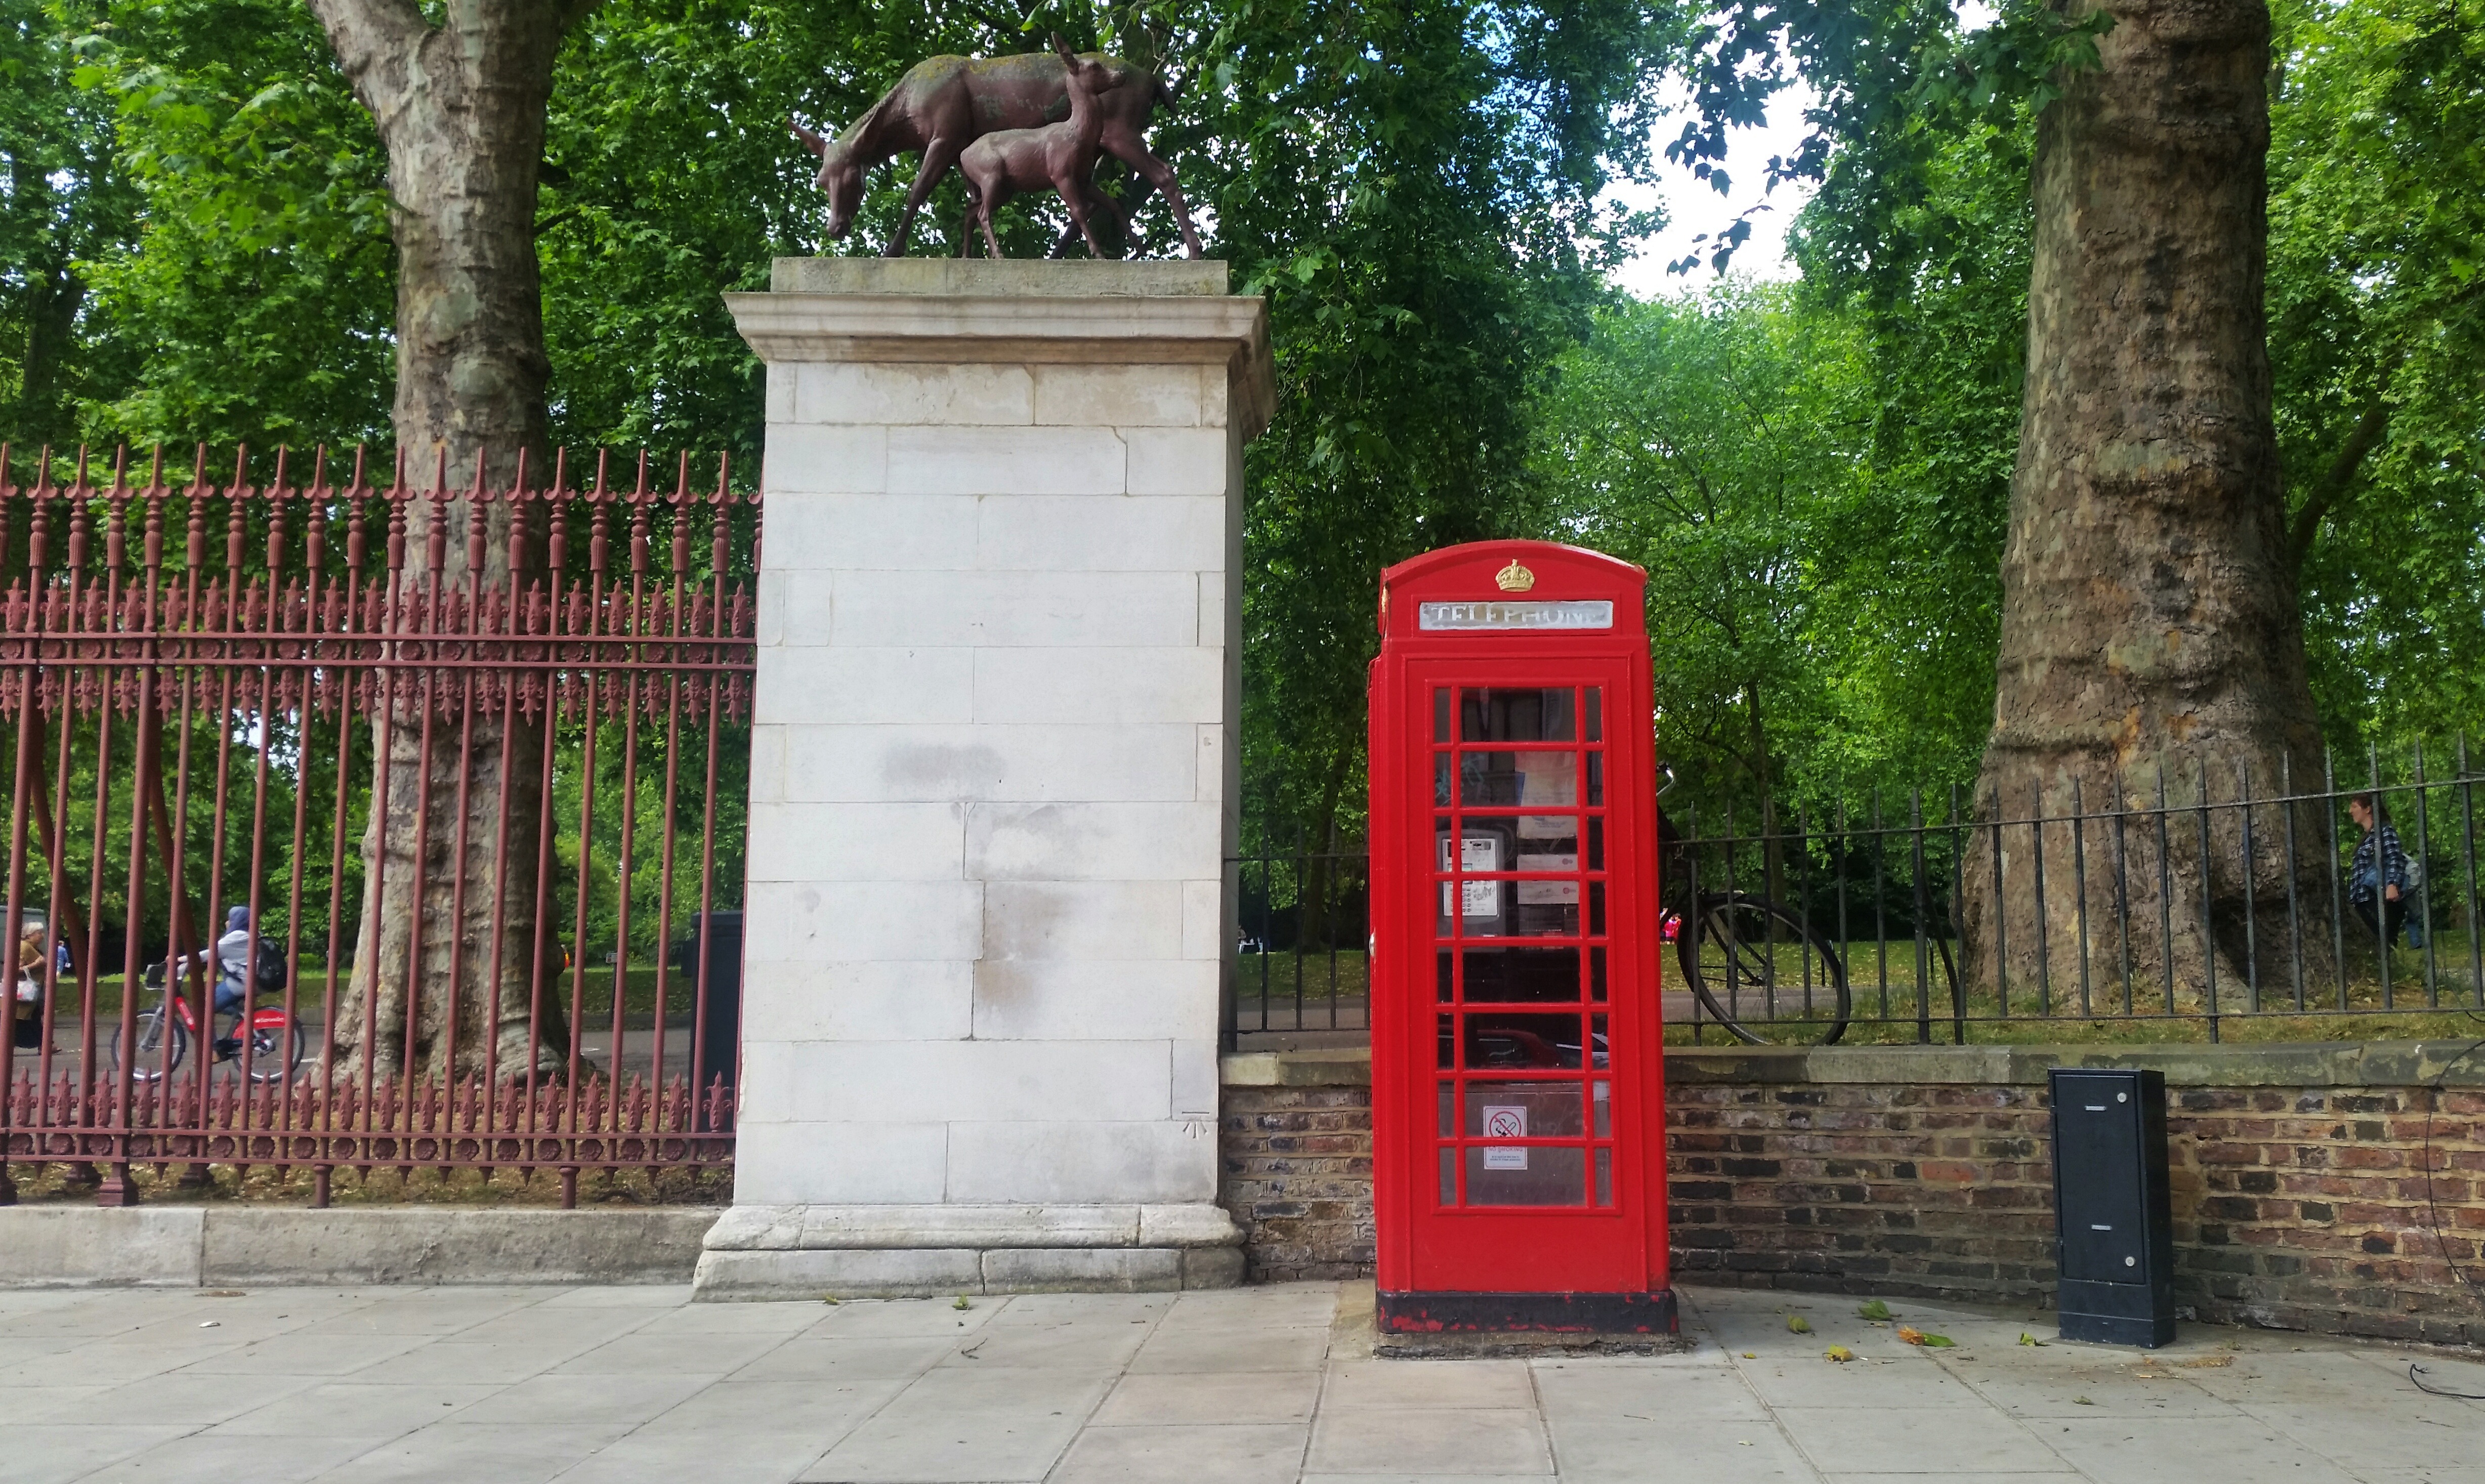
x=755, y=1458
x=832, y=1357
x=1210, y=1453
x=449, y=1316
x=1199, y=1348
x=1259, y=1385
x=1914, y=1439
x=1099, y=1347
x=372, y=1412
x=1633, y=1447
x=460, y=1451
x=220, y=1459
x=459, y=1358
x=1442, y=1442
x=56, y=1453
x=2199, y=1450
x=731, y=1410
x=1448, y=1384
x=1209, y=1396
x=670, y=1354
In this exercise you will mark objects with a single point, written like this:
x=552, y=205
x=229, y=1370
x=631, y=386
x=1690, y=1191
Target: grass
x=1342, y=974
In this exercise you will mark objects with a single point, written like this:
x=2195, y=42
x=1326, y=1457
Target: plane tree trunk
x=460, y=106
x=2149, y=627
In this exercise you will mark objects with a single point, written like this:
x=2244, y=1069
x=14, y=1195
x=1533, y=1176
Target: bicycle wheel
x=1762, y=973
x=275, y=1050
x=151, y=1063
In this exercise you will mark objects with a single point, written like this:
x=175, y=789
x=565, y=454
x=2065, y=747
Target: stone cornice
x=1099, y=322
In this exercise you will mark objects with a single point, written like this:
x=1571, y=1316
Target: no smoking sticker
x=1504, y=1122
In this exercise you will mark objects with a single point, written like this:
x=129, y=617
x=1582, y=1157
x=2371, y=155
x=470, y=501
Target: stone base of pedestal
x=891, y=1251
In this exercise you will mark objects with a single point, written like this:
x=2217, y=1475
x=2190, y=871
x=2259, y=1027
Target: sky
x=1693, y=206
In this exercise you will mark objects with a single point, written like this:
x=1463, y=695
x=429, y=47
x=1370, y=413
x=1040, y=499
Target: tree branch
x=375, y=42
x=2335, y=480
x=572, y=12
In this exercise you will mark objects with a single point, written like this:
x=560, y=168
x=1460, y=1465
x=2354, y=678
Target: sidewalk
x=594, y=1386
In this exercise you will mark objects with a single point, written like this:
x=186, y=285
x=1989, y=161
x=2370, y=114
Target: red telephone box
x=1517, y=1092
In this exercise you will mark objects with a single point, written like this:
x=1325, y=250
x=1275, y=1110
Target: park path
x=594, y=1386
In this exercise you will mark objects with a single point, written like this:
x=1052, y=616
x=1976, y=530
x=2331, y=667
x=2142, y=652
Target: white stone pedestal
x=993, y=776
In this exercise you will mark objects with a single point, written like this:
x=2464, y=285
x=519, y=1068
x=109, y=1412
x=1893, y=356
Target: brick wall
x=2299, y=1176
x=1896, y=1189
x=1298, y=1177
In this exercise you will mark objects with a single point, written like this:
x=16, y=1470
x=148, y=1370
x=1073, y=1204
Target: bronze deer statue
x=1004, y=162
x=943, y=104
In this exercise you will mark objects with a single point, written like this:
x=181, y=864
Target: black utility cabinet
x=716, y=937
x=2114, y=1208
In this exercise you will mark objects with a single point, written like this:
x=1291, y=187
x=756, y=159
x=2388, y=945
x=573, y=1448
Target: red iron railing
x=504, y=946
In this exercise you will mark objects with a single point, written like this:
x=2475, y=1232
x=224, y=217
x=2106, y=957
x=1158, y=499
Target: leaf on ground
x=2208, y=1362
x=1916, y=1336
x=1838, y=1353
x=828, y=1298
x=1751, y=1355
x=962, y=1302
x=1873, y=1308
x=1797, y=1323
x=2082, y=1401
x=2027, y=1338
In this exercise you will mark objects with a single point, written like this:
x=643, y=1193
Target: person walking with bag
x=26, y=1032
x=2378, y=878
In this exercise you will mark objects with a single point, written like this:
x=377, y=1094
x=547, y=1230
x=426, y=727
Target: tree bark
x=2150, y=626
x=460, y=107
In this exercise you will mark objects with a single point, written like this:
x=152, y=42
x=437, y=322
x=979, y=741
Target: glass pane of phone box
x=1527, y=1176
x=1524, y=1175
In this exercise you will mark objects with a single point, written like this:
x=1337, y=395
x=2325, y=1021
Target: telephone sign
x=1518, y=1080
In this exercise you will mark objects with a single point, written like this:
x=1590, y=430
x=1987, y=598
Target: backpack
x=268, y=964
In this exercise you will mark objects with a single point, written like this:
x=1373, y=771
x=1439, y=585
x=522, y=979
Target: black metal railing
x=2188, y=904
x=1299, y=962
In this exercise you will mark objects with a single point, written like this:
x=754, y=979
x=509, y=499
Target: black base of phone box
x=1482, y=1325
x=2139, y=1314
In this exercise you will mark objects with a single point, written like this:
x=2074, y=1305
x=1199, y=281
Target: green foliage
x=64, y=197
x=193, y=243
x=1738, y=444
x=1709, y=439
x=1416, y=187
x=1919, y=235
x=1422, y=214
x=670, y=180
x=2377, y=337
x=257, y=304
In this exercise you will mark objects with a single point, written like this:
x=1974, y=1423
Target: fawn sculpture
x=942, y=105
x=1062, y=156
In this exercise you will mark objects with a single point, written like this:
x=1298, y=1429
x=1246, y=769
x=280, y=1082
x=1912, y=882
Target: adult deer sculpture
x=943, y=104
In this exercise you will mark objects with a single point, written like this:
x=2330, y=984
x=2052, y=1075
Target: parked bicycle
x=1756, y=967
x=269, y=1047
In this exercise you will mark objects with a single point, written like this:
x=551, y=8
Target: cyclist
x=232, y=957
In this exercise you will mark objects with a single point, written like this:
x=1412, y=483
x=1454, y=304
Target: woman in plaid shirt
x=2376, y=877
